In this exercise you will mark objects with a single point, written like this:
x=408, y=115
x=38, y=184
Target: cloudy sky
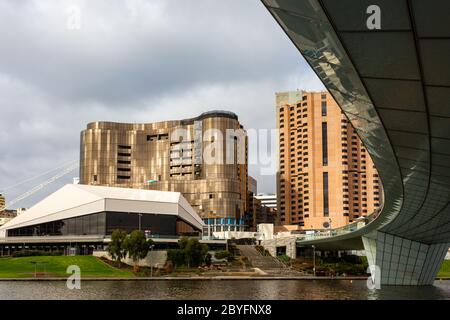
x=131, y=61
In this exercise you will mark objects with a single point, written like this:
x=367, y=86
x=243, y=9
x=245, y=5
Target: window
x=324, y=144
x=326, y=209
x=324, y=108
x=122, y=154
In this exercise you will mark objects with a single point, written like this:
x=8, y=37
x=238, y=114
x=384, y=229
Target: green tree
x=116, y=247
x=182, y=243
x=194, y=252
x=176, y=256
x=191, y=253
x=137, y=247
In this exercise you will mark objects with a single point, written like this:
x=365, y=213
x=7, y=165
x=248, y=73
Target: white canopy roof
x=75, y=200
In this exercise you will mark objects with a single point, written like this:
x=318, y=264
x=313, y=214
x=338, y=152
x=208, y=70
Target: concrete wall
x=399, y=261
x=289, y=243
x=265, y=232
x=234, y=234
x=156, y=258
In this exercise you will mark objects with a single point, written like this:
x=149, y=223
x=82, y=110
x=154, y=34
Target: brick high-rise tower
x=326, y=177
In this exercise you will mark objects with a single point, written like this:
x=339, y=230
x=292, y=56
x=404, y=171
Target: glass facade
x=223, y=224
x=103, y=223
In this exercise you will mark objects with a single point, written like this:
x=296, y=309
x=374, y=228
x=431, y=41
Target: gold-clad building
x=2, y=203
x=326, y=178
x=204, y=158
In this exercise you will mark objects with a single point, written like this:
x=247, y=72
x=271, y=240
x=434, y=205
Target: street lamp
x=140, y=215
x=151, y=264
x=314, y=260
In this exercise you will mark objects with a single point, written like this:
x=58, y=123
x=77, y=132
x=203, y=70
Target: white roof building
x=75, y=200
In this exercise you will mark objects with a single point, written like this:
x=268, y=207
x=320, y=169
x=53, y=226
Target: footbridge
x=387, y=64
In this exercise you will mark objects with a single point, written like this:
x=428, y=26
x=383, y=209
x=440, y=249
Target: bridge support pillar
x=399, y=261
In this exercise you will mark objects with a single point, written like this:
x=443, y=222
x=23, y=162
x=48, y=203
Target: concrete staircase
x=268, y=264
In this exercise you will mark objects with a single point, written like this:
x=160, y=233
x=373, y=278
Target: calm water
x=226, y=290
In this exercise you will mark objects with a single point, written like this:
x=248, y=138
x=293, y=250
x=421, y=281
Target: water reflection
x=220, y=290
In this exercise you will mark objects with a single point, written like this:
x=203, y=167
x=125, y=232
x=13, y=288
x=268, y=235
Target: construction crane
x=72, y=167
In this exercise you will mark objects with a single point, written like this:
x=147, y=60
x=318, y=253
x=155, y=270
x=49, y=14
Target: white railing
x=339, y=231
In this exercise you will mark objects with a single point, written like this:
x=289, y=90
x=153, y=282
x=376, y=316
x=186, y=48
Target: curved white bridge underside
x=394, y=86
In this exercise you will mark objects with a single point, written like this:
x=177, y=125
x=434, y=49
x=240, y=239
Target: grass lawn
x=445, y=269
x=56, y=266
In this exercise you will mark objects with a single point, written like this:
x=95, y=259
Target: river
x=219, y=290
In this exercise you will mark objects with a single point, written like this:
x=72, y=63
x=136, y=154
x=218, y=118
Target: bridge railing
x=339, y=231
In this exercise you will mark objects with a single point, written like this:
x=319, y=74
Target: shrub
x=208, y=259
x=284, y=258
x=347, y=268
x=352, y=259
x=35, y=253
x=168, y=267
x=225, y=254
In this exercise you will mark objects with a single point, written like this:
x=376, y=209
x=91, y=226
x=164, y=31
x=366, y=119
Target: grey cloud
x=115, y=57
x=133, y=61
